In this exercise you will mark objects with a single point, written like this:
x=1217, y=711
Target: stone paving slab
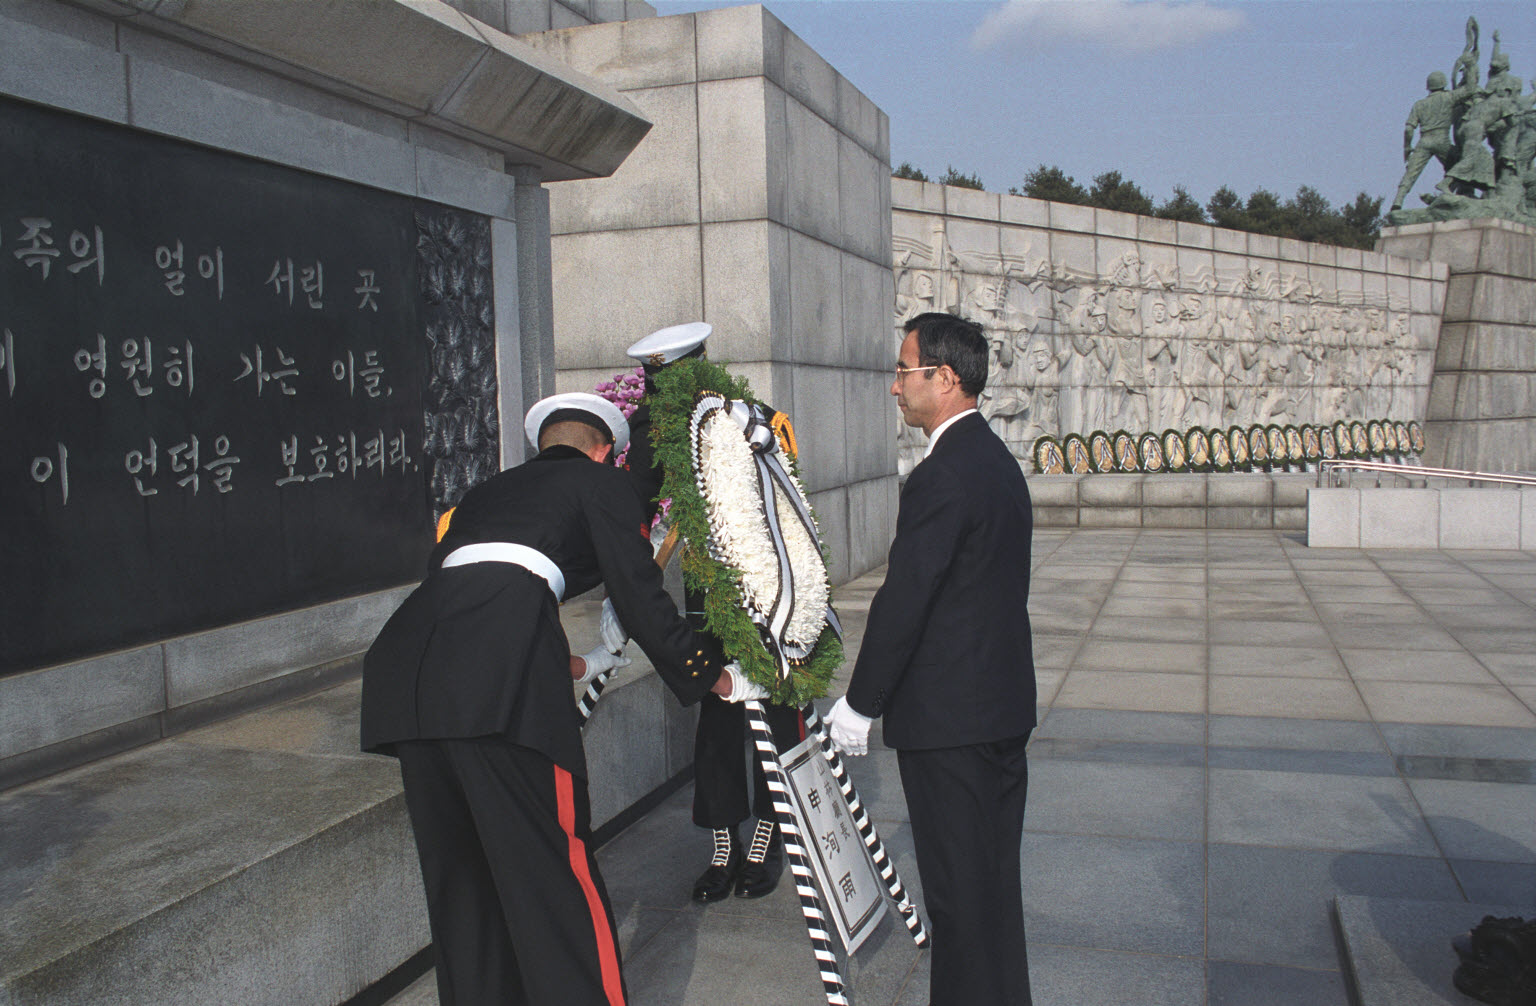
x=1400, y=949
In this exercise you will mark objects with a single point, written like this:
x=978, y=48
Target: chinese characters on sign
x=844, y=872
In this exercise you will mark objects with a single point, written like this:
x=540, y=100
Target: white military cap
x=581, y=407
x=671, y=343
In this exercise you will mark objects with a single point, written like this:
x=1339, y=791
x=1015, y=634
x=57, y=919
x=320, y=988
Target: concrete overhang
x=423, y=60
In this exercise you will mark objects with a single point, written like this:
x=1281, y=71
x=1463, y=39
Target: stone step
x=1240, y=500
x=260, y=860
x=1398, y=952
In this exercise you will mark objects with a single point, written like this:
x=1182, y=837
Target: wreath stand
x=799, y=860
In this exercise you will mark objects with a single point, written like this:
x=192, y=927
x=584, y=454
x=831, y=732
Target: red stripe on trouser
x=607, y=949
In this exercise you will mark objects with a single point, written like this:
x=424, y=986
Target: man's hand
x=589, y=665
x=733, y=685
x=848, y=728
x=614, y=636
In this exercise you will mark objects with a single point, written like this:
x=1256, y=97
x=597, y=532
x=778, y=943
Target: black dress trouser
x=519, y=912
x=721, y=747
x=966, y=805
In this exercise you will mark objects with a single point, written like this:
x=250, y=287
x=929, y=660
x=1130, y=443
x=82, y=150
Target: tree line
x=1307, y=216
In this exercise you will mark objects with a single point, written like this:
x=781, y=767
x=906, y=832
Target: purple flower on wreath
x=625, y=390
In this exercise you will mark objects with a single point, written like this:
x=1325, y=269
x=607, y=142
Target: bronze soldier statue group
x=469, y=686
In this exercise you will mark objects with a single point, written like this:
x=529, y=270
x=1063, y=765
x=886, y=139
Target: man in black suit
x=946, y=660
x=469, y=685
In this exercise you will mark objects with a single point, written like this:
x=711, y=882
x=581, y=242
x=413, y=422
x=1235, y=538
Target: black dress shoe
x=715, y=883
x=765, y=862
x=759, y=879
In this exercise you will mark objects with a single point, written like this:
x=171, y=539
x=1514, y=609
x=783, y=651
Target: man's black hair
x=946, y=340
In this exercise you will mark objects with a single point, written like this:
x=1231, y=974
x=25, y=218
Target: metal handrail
x=1420, y=471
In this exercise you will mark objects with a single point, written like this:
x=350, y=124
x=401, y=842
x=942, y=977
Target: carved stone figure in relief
x=1274, y=366
x=1401, y=403
x=1042, y=385
x=1127, y=404
x=1004, y=402
x=1166, y=399
x=914, y=293
x=1086, y=366
x=1201, y=366
x=1301, y=388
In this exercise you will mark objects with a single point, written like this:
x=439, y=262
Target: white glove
x=600, y=660
x=848, y=728
x=614, y=636
x=741, y=688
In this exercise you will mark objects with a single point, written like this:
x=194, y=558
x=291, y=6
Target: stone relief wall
x=1106, y=321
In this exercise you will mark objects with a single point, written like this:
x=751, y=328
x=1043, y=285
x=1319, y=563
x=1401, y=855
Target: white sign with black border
x=849, y=883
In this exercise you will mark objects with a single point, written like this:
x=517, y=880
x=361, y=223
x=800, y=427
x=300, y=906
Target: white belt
x=531, y=559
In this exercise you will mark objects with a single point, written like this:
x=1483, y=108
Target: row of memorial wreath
x=1256, y=448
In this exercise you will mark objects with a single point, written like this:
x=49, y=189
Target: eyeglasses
x=902, y=372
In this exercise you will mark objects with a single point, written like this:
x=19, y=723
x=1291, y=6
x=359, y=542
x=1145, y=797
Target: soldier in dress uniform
x=469, y=686
x=720, y=792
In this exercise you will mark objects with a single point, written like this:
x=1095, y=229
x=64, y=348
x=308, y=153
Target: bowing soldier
x=469, y=686
x=722, y=801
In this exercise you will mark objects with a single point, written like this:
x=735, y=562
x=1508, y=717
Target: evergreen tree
x=1181, y=207
x=1226, y=209
x=1112, y=192
x=1363, y=218
x=906, y=170
x=1264, y=212
x=1307, y=216
x=1054, y=184
x=961, y=181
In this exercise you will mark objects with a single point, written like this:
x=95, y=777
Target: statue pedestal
x=1482, y=396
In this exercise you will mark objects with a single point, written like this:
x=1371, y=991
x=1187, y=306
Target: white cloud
x=1141, y=25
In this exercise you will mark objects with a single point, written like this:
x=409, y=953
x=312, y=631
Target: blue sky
x=1266, y=93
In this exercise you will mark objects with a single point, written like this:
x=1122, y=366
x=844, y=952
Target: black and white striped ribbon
x=591, y=695
x=904, y=906
x=799, y=859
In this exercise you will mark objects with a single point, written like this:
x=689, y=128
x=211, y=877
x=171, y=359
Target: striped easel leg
x=904, y=906
x=799, y=859
x=591, y=695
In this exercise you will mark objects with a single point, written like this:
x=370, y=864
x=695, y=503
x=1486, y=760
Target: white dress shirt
x=939, y=431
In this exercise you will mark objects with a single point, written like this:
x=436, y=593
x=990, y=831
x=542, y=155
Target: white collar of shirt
x=946, y=424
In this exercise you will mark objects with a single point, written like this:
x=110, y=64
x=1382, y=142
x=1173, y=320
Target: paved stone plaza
x=1236, y=731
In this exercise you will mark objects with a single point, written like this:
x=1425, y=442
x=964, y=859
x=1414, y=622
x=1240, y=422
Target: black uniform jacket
x=946, y=657
x=644, y=473
x=477, y=650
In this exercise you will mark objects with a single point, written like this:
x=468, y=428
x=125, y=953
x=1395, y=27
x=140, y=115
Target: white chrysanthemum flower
x=739, y=528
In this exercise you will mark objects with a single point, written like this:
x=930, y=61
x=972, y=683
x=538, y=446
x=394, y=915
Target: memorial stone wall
x=1104, y=321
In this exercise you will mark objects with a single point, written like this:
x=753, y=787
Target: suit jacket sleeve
x=687, y=662
x=930, y=521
